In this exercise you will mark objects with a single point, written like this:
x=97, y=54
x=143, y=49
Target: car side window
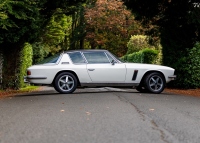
x=76, y=57
x=96, y=57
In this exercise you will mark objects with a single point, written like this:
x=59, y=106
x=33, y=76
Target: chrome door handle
x=91, y=69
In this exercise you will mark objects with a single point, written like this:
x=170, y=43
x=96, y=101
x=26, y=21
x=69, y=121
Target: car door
x=79, y=66
x=101, y=70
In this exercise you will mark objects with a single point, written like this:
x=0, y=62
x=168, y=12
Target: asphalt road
x=103, y=115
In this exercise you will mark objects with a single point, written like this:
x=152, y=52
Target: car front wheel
x=65, y=82
x=141, y=89
x=155, y=82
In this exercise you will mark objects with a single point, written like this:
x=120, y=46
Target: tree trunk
x=82, y=44
x=1, y=65
x=11, y=65
x=72, y=41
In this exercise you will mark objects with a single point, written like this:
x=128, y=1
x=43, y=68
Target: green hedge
x=136, y=57
x=137, y=43
x=26, y=61
x=149, y=55
x=143, y=56
x=189, y=69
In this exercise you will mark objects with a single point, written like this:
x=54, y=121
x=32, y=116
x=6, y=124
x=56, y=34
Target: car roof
x=86, y=50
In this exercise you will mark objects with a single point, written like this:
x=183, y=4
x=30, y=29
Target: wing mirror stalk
x=113, y=62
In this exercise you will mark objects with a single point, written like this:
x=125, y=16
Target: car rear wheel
x=155, y=82
x=65, y=82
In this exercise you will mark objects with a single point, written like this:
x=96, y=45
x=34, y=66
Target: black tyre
x=154, y=82
x=141, y=89
x=65, y=82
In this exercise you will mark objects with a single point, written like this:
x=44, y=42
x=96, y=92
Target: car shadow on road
x=47, y=93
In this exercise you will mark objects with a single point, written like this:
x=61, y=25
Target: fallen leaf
x=88, y=113
x=62, y=110
x=151, y=109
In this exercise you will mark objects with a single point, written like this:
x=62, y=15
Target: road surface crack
x=162, y=134
x=136, y=108
x=144, y=117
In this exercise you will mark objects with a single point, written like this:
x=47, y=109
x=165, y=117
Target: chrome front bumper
x=173, y=77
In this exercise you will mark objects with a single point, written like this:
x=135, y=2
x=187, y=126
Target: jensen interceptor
x=98, y=68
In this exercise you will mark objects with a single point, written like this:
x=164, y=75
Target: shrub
x=189, y=69
x=159, y=58
x=143, y=56
x=124, y=58
x=137, y=43
x=26, y=61
x=136, y=57
x=149, y=55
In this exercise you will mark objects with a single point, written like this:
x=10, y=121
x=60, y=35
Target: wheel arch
x=70, y=71
x=149, y=72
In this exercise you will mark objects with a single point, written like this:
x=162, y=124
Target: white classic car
x=98, y=68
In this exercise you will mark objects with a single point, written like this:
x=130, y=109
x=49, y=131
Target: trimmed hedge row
x=189, y=69
x=143, y=56
x=26, y=61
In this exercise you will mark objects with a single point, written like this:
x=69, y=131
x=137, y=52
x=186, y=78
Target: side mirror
x=113, y=62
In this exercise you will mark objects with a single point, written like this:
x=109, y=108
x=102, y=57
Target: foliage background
x=26, y=61
x=171, y=29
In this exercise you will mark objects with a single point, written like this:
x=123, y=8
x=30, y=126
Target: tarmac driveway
x=103, y=115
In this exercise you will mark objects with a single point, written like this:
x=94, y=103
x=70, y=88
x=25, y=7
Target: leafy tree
x=23, y=21
x=22, y=17
x=55, y=38
x=177, y=24
x=40, y=51
x=58, y=28
x=109, y=25
x=77, y=29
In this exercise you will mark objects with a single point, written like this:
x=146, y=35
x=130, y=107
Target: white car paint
x=144, y=68
x=92, y=74
x=107, y=73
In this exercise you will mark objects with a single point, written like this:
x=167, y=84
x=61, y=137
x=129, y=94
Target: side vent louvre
x=135, y=75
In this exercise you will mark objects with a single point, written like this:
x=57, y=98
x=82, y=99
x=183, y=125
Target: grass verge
x=7, y=93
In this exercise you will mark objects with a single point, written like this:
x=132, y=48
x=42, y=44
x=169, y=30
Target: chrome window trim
x=59, y=59
x=107, y=54
x=80, y=54
x=84, y=57
x=118, y=61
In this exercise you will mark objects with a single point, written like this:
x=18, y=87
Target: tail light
x=28, y=72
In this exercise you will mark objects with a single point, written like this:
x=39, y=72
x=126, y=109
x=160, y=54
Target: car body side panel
x=144, y=68
x=99, y=74
x=107, y=73
x=50, y=70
